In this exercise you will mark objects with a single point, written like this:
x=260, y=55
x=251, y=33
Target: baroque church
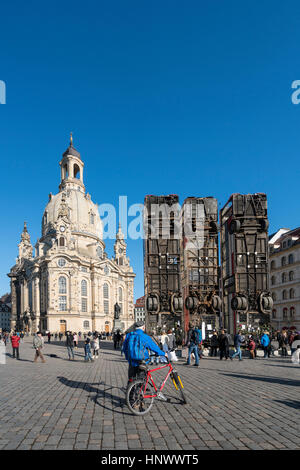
x=69, y=283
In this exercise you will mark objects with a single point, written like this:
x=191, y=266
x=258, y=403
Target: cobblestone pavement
x=75, y=405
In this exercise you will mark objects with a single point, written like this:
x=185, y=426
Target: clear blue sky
x=191, y=97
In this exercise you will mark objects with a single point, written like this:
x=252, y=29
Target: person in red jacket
x=15, y=341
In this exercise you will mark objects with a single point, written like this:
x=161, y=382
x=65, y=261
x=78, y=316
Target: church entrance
x=63, y=326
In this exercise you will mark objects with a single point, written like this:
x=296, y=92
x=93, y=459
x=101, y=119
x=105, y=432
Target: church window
x=121, y=261
x=121, y=299
x=61, y=262
x=106, y=307
x=86, y=324
x=92, y=218
x=62, y=284
x=105, y=291
x=62, y=303
x=84, y=295
x=84, y=288
x=61, y=241
x=76, y=171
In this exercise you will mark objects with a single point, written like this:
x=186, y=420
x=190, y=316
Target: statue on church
x=117, y=311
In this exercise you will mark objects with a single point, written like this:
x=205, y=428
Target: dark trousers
x=16, y=352
x=214, y=351
x=224, y=353
x=134, y=372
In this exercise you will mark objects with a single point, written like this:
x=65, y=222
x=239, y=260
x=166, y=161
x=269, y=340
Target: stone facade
x=285, y=278
x=70, y=283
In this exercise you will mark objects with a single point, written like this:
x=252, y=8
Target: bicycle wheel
x=179, y=387
x=136, y=402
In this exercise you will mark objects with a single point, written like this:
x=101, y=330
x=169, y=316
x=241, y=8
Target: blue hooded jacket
x=147, y=342
x=265, y=340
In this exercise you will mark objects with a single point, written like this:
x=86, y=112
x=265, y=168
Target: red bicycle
x=142, y=391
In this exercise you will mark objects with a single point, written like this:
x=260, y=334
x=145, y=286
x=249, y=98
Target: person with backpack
x=136, y=348
x=193, y=341
x=265, y=342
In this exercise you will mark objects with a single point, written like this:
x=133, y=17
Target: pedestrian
x=60, y=336
x=87, y=351
x=15, y=342
x=38, y=343
x=75, y=339
x=21, y=336
x=49, y=336
x=116, y=339
x=265, y=342
x=214, y=344
x=55, y=336
x=223, y=345
x=95, y=346
x=252, y=347
x=284, y=343
x=193, y=341
x=70, y=345
x=170, y=344
x=238, y=340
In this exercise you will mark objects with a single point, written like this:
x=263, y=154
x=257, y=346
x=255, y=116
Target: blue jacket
x=265, y=340
x=238, y=339
x=147, y=341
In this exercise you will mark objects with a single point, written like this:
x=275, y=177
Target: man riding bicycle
x=136, y=348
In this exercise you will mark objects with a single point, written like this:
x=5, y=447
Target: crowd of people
x=169, y=341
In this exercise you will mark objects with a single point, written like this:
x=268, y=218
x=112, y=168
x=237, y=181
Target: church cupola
x=71, y=168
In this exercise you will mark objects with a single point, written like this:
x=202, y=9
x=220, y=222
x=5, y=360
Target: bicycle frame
x=149, y=377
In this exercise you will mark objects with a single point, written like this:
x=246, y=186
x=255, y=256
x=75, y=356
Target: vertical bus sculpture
x=162, y=261
x=199, y=261
x=244, y=255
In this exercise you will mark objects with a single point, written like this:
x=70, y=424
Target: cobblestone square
x=66, y=404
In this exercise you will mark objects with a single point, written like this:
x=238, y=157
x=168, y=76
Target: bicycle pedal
x=162, y=397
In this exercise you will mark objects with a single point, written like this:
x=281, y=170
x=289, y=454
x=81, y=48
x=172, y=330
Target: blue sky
x=192, y=98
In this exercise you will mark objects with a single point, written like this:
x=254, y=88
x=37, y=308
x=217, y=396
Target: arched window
x=62, y=284
x=84, y=295
x=105, y=291
x=292, y=293
x=76, y=171
x=291, y=259
x=274, y=296
x=283, y=277
x=291, y=275
x=121, y=299
x=283, y=261
x=273, y=280
x=84, y=288
x=285, y=310
x=273, y=264
x=274, y=313
x=292, y=312
x=106, y=298
x=284, y=295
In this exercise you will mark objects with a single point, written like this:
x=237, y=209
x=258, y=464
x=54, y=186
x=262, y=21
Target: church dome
x=76, y=206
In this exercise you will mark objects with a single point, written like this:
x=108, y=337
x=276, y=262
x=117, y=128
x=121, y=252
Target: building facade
x=5, y=312
x=285, y=278
x=139, y=309
x=70, y=283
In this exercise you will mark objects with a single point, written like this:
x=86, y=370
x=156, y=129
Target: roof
x=71, y=151
x=140, y=302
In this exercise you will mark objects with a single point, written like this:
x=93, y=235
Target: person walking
x=75, y=339
x=170, y=345
x=70, y=345
x=251, y=347
x=49, y=336
x=38, y=343
x=284, y=343
x=265, y=342
x=214, y=344
x=193, y=341
x=95, y=346
x=238, y=340
x=87, y=351
x=15, y=342
x=223, y=345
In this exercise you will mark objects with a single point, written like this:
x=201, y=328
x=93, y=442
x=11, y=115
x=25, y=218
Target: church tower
x=120, y=249
x=71, y=169
x=25, y=247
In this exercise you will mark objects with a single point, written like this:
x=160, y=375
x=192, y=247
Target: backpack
x=135, y=348
x=195, y=337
